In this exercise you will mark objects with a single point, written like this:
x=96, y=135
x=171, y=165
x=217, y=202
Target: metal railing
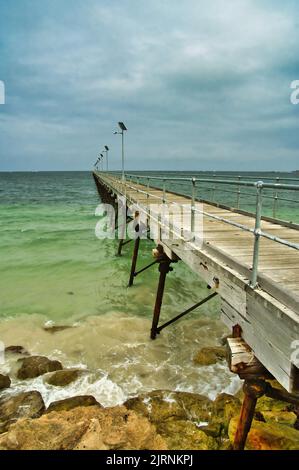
x=258, y=186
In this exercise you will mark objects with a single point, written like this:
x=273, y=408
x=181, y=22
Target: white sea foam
x=120, y=361
x=103, y=389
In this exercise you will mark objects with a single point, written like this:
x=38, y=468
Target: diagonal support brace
x=203, y=301
x=145, y=268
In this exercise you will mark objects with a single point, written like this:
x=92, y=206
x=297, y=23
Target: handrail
x=221, y=175
x=257, y=231
x=293, y=187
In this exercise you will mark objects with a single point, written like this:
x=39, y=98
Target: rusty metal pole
x=164, y=268
x=135, y=256
x=122, y=214
x=253, y=389
x=121, y=242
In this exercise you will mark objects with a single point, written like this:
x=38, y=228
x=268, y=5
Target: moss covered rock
x=61, y=378
x=161, y=405
x=73, y=402
x=283, y=417
x=210, y=355
x=225, y=407
x=182, y=434
x=91, y=428
x=34, y=366
x=23, y=405
x=267, y=436
x=4, y=381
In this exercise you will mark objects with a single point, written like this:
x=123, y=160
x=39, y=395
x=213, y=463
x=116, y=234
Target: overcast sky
x=201, y=85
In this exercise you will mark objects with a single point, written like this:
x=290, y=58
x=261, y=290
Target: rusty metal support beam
x=203, y=301
x=253, y=389
x=135, y=256
x=145, y=268
x=123, y=233
x=282, y=395
x=164, y=269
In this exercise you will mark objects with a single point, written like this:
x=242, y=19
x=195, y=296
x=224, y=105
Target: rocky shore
x=158, y=420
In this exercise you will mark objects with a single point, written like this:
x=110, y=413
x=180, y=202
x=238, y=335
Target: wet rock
x=267, y=436
x=213, y=429
x=210, y=355
x=61, y=378
x=225, y=406
x=4, y=381
x=268, y=404
x=182, y=434
x=73, y=402
x=283, y=417
x=90, y=428
x=16, y=350
x=23, y=405
x=161, y=405
x=34, y=366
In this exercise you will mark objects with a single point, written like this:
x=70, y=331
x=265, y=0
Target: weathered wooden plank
x=271, y=357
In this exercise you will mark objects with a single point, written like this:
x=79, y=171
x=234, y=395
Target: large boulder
x=4, y=381
x=267, y=436
x=210, y=355
x=177, y=417
x=183, y=434
x=23, y=405
x=160, y=405
x=90, y=428
x=61, y=378
x=225, y=407
x=282, y=417
x=73, y=402
x=34, y=366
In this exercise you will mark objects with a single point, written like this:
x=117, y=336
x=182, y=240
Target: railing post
x=213, y=190
x=164, y=191
x=148, y=186
x=275, y=199
x=193, y=206
x=257, y=233
x=238, y=194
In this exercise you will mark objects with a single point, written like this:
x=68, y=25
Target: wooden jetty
x=250, y=261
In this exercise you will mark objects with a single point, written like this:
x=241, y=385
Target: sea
x=55, y=272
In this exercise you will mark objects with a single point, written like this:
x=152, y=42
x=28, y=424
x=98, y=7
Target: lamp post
x=106, y=150
x=102, y=161
x=122, y=129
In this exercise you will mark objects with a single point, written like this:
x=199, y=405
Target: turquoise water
x=54, y=271
x=51, y=261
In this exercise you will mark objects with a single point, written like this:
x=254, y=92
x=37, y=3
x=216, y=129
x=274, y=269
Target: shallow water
x=54, y=269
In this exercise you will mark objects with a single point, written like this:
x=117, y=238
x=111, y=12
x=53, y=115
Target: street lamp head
x=115, y=132
x=102, y=155
x=122, y=126
x=106, y=148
